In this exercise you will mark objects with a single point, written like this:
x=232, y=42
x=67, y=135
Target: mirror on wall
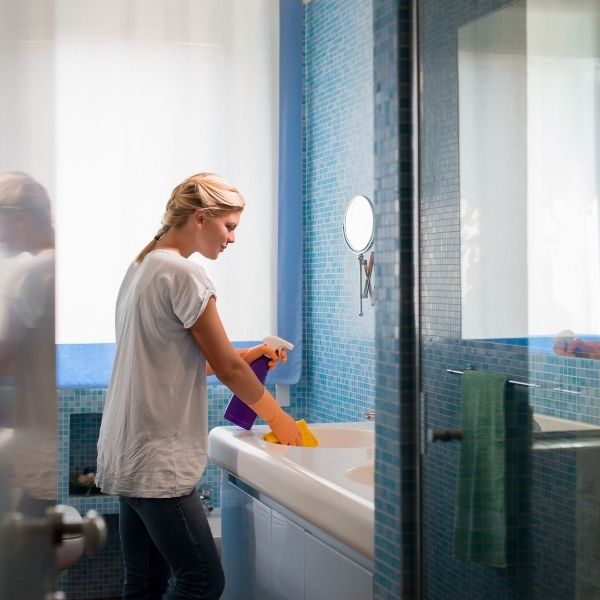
x=359, y=233
x=529, y=131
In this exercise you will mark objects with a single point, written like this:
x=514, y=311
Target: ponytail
x=150, y=246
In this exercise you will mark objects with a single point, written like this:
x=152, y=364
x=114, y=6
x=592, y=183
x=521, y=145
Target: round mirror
x=359, y=224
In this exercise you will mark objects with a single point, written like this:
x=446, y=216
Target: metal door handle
x=444, y=435
x=92, y=528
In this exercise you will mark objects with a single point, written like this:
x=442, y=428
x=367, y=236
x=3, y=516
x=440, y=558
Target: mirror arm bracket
x=361, y=263
x=367, y=291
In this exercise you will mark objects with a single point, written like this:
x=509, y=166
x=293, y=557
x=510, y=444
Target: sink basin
x=332, y=436
x=343, y=437
x=546, y=423
x=364, y=474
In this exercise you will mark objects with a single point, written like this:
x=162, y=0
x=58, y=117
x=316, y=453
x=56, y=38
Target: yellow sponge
x=308, y=438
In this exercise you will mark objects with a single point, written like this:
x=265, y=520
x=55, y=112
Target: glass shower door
x=28, y=418
x=510, y=298
x=38, y=537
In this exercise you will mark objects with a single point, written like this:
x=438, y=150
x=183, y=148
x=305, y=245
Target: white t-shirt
x=153, y=437
x=29, y=323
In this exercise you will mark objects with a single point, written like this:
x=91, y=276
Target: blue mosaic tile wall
x=396, y=559
x=546, y=568
x=339, y=365
x=553, y=543
x=100, y=576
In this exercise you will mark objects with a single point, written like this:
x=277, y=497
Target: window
x=147, y=94
x=111, y=104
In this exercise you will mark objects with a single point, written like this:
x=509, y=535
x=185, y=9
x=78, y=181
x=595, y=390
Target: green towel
x=480, y=519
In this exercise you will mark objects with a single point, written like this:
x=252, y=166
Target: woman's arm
x=240, y=351
x=249, y=355
x=225, y=362
x=232, y=370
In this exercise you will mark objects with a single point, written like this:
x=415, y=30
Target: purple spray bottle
x=237, y=411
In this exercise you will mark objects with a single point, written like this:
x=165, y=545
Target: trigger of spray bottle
x=237, y=411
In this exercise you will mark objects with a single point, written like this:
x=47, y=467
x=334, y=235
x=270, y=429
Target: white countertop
x=310, y=482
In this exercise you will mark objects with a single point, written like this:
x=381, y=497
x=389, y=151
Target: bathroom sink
x=364, y=474
x=332, y=436
x=330, y=486
x=546, y=423
x=555, y=433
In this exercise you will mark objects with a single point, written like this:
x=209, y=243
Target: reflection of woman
x=27, y=335
x=566, y=344
x=152, y=447
x=27, y=362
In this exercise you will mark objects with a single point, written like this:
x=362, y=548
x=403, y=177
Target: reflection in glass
x=28, y=447
x=528, y=90
x=529, y=139
x=28, y=420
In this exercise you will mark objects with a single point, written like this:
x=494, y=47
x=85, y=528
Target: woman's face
x=216, y=233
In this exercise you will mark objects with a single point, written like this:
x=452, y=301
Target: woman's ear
x=199, y=217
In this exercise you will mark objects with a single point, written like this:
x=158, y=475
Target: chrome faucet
x=205, y=498
x=370, y=415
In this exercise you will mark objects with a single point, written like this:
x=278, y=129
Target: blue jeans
x=164, y=537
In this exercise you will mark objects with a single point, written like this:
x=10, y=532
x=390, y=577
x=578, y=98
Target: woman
x=27, y=348
x=153, y=437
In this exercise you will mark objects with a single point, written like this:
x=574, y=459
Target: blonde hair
x=22, y=192
x=204, y=192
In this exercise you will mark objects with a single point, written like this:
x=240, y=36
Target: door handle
x=60, y=531
x=92, y=527
x=444, y=435
x=56, y=528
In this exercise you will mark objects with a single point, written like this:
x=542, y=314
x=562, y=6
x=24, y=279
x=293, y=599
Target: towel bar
x=531, y=385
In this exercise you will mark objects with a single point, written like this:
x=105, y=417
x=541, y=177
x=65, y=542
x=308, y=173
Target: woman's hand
x=283, y=426
x=578, y=348
x=275, y=354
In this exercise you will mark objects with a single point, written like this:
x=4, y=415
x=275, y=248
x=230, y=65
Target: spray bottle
x=237, y=411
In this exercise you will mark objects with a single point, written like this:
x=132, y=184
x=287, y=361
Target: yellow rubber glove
x=282, y=425
x=308, y=437
x=274, y=354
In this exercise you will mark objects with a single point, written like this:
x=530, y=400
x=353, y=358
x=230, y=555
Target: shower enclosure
x=509, y=281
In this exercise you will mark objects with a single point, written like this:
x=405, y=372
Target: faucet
x=370, y=415
x=205, y=498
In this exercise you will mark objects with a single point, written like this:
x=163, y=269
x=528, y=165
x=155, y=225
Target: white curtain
x=143, y=94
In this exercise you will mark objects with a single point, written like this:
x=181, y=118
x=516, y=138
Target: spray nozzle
x=277, y=342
